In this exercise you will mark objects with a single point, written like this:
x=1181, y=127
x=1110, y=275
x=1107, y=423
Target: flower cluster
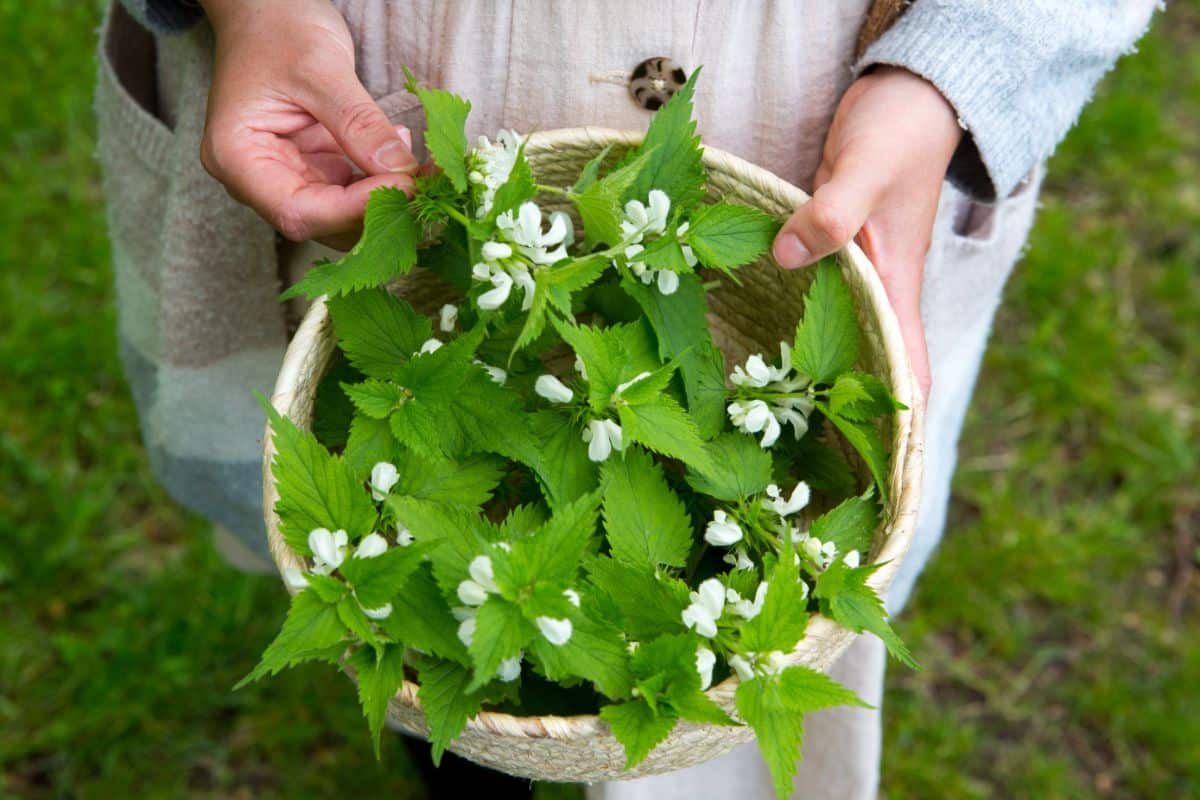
x=523, y=248
x=489, y=166
x=770, y=397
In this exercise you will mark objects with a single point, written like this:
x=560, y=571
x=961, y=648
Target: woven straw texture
x=752, y=317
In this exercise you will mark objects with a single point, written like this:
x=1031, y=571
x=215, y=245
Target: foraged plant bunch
x=613, y=535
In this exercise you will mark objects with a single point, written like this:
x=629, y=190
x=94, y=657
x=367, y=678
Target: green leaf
x=645, y=521
x=851, y=525
x=665, y=253
x=563, y=466
x=501, y=632
x=378, y=580
x=726, y=236
x=638, y=728
x=600, y=204
x=449, y=258
x=824, y=468
x=781, y=623
x=742, y=469
x=680, y=326
x=387, y=250
x=332, y=410
x=600, y=351
x=519, y=187
x=316, y=489
x=447, y=703
x=327, y=587
x=467, y=483
x=675, y=163
x=421, y=619
x=647, y=604
x=861, y=397
x=595, y=651
x=591, y=170
x=664, y=427
x=827, y=336
x=864, y=437
x=445, y=132
x=311, y=628
x=380, y=676
x=551, y=554
x=375, y=398
x=458, y=535
x=377, y=331
x=352, y=616
x=845, y=597
x=370, y=442
x=696, y=706
x=556, y=286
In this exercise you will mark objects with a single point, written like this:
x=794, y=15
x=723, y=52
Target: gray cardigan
x=1018, y=74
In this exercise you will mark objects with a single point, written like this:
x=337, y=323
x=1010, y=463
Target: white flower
x=553, y=389
x=471, y=593
x=688, y=254
x=372, y=545
x=738, y=559
x=383, y=477
x=776, y=662
x=491, y=165
x=496, y=251
x=743, y=668
x=448, y=317
x=754, y=417
x=383, y=612
x=294, y=578
x=747, y=609
x=635, y=379
x=640, y=219
x=797, y=501
x=510, y=668
x=466, y=630
x=572, y=597
x=668, y=281
x=705, y=661
x=556, y=631
x=756, y=373
x=480, y=570
x=820, y=553
x=758, y=415
x=722, y=531
x=525, y=231
x=328, y=549
x=852, y=559
x=495, y=373
x=580, y=368
x=495, y=297
x=707, y=604
x=603, y=436
x=404, y=537
x=430, y=346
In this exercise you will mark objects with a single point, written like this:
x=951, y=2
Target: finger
x=831, y=218
x=331, y=168
x=361, y=128
x=320, y=211
x=316, y=138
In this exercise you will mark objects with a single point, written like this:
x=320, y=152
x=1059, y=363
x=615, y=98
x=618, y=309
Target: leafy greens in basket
x=550, y=497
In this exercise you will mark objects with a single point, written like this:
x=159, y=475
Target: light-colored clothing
x=198, y=275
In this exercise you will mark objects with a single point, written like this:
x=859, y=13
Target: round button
x=654, y=81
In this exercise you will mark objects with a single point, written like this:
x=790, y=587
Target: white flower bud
x=480, y=569
x=496, y=251
x=404, y=537
x=383, y=477
x=466, y=631
x=510, y=669
x=328, y=549
x=851, y=559
x=430, y=346
x=741, y=667
x=294, y=578
x=471, y=593
x=372, y=545
x=383, y=612
x=448, y=317
x=552, y=389
x=572, y=597
x=556, y=631
x=705, y=661
x=722, y=531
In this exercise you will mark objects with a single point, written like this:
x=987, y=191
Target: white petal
x=771, y=435
x=320, y=542
x=558, y=230
x=668, y=281
x=494, y=298
x=495, y=251
x=525, y=281
x=705, y=661
x=496, y=374
x=404, y=537
x=471, y=593
x=372, y=545
x=383, y=612
x=852, y=559
x=635, y=212
x=633, y=251
x=580, y=368
x=384, y=476
x=481, y=272
x=430, y=346
x=510, y=668
x=711, y=595
x=689, y=255
x=757, y=369
x=697, y=618
x=568, y=238
x=553, y=389
x=757, y=414
x=660, y=206
x=572, y=597
x=466, y=631
x=448, y=317
x=480, y=570
x=616, y=437
x=636, y=378
x=556, y=631
x=599, y=445
x=742, y=667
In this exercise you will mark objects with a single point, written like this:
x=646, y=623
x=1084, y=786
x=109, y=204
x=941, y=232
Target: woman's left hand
x=881, y=172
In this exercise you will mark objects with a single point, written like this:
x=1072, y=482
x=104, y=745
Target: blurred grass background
x=1058, y=623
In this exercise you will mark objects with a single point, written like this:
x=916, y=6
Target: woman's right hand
x=288, y=120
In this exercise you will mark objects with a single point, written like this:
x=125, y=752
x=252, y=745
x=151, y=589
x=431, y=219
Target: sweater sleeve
x=1017, y=73
x=165, y=16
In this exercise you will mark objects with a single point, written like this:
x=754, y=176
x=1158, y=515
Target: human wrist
x=925, y=104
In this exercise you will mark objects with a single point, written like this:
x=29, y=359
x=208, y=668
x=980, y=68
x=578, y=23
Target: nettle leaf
x=522, y=521
x=845, y=597
x=861, y=397
x=447, y=702
x=649, y=605
x=638, y=728
x=387, y=250
x=380, y=675
x=370, y=441
x=680, y=326
x=377, y=331
x=316, y=488
x=550, y=555
x=596, y=652
x=332, y=410
x=863, y=437
x=501, y=632
x=676, y=159
x=445, y=132
x=827, y=335
x=781, y=623
x=591, y=170
x=352, y=616
x=824, y=468
x=458, y=535
x=600, y=204
x=742, y=469
x=600, y=351
x=726, y=236
x=311, y=629
x=645, y=521
x=665, y=253
x=554, y=287
x=375, y=398
x=467, y=483
x=519, y=188
x=664, y=427
x=421, y=619
x=378, y=580
x=851, y=525
x=564, y=469
x=774, y=706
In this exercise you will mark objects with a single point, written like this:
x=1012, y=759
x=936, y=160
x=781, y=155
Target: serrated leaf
x=457, y=534
x=600, y=351
x=467, y=483
x=374, y=397
x=742, y=469
x=519, y=187
x=638, y=728
x=447, y=703
x=311, y=628
x=370, y=442
x=644, y=520
x=846, y=390
x=850, y=525
x=845, y=597
x=664, y=427
x=445, y=132
x=551, y=554
x=665, y=253
x=595, y=651
x=327, y=587
x=781, y=623
x=726, y=236
x=827, y=335
x=356, y=621
x=377, y=331
x=316, y=488
x=591, y=170
x=501, y=632
x=873, y=402
x=600, y=204
x=675, y=164
x=387, y=250
x=378, y=580
x=380, y=676
x=421, y=619
x=564, y=469
x=649, y=605
x=864, y=437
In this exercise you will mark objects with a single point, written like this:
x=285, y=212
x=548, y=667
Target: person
x=920, y=129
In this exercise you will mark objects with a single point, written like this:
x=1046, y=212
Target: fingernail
x=396, y=157
x=790, y=252
x=405, y=135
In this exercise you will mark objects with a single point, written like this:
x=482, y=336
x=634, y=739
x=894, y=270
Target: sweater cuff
x=165, y=16
x=971, y=72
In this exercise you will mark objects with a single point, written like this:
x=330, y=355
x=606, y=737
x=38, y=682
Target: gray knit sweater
x=1017, y=73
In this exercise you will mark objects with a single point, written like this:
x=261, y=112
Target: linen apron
x=197, y=275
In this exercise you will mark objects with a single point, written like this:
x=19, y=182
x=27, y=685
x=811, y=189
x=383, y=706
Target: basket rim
x=311, y=345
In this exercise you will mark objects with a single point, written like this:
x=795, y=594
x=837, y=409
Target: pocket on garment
x=134, y=147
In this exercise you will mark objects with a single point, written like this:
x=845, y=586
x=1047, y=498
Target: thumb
x=363, y=131
x=830, y=219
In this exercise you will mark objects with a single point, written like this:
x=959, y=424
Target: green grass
x=1057, y=624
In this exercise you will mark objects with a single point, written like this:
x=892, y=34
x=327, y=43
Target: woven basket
x=752, y=317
